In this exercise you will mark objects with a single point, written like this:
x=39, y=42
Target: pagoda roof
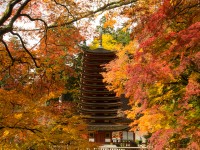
x=97, y=92
x=99, y=104
x=99, y=110
x=103, y=117
x=99, y=50
x=108, y=127
x=99, y=98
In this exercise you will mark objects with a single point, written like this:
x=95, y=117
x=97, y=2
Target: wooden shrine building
x=100, y=106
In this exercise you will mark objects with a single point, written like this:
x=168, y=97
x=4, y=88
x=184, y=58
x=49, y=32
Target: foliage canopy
x=159, y=72
x=33, y=74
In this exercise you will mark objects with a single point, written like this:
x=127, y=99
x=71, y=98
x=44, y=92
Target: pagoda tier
x=99, y=105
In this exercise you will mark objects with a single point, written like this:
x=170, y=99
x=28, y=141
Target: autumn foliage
x=30, y=78
x=157, y=69
x=26, y=119
x=159, y=72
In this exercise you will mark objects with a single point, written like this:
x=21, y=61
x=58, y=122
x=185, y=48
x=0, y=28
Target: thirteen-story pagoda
x=100, y=106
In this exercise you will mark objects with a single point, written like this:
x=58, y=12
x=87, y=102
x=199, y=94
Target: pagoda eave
x=108, y=127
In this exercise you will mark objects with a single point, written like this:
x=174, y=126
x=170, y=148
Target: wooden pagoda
x=99, y=105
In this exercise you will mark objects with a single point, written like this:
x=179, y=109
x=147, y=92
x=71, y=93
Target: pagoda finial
x=102, y=21
x=100, y=38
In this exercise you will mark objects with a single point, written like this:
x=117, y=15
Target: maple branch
x=106, y=7
x=109, y=6
x=7, y=50
x=38, y=19
x=65, y=8
x=8, y=14
x=9, y=18
x=21, y=128
x=184, y=9
x=194, y=67
x=29, y=53
x=8, y=11
x=18, y=12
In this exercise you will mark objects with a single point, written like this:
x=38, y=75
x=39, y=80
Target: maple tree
x=159, y=72
x=26, y=121
x=17, y=14
x=39, y=43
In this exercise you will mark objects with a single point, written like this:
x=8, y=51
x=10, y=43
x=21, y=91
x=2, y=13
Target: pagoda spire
x=100, y=38
x=102, y=21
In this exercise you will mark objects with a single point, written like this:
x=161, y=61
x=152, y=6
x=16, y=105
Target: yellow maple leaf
x=5, y=133
x=18, y=116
